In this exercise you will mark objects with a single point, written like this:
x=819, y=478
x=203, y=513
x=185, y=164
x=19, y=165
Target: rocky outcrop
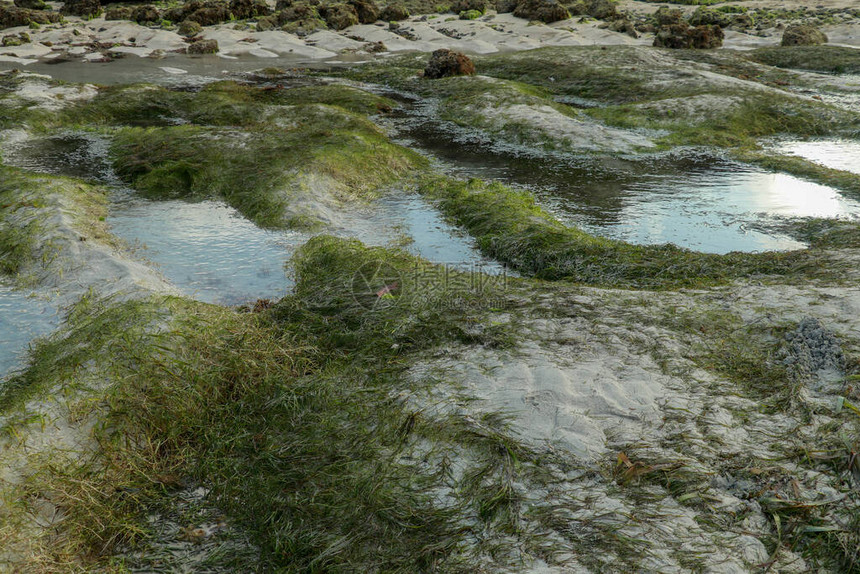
x=32, y=4
x=803, y=35
x=367, y=11
x=82, y=8
x=145, y=14
x=339, y=16
x=444, y=63
x=460, y=6
x=547, y=11
x=709, y=17
x=394, y=13
x=203, y=47
x=189, y=28
x=683, y=36
x=244, y=9
x=11, y=16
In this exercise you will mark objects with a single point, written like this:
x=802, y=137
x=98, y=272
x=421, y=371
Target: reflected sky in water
x=22, y=318
x=836, y=154
x=213, y=254
x=714, y=210
x=696, y=201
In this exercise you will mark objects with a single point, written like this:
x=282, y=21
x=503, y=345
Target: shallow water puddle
x=212, y=253
x=712, y=210
x=836, y=154
x=699, y=202
x=23, y=317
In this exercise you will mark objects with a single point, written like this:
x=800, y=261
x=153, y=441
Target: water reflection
x=213, y=254
x=22, y=318
x=695, y=200
x=836, y=154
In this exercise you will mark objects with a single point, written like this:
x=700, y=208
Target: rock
x=367, y=11
x=444, y=63
x=266, y=23
x=144, y=14
x=803, y=35
x=283, y=5
x=339, y=16
x=394, y=13
x=32, y=4
x=301, y=18
x=547, y=11
x=82, y=8
x=209, y=14
x=665, y=16
x=203, y=47
x=375, y=48
x=683, y=36
x=624, y=26
x=742, y=22
x=602, y=9
x=578, y=8
x=189, y=28
x=470, y=15
x=709, y=17
x=460, y=6
x=506, y=6
x=244, y=9
x=118, y=13
x=15, y=39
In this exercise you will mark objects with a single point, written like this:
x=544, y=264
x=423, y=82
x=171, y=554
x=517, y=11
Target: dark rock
x=459, y=6
x=444, y=63
x=283, y=5
x=118, y=13
x=578, y=8
x=32, y=4
x=683, y=36
x=11, y=16
x=203, y=47
x=15, y=40
x=189, y=28
x=742, y=22
x=394, y=13
x=709, y=17
x=602, y=9
x=624, y=26
x=82, y=8
x=668, y=16
x=803, y=35
x=144, y=14
x=547, y=11
x=267, y=23
x=367, y=11
x=244, y=9
x=339, y=16
x=375, y=48
x=301, y=18
x=210, y=15
x=505, y=6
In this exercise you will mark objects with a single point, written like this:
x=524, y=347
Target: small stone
x=803, y=35
x=203, y=47
x=444, y=63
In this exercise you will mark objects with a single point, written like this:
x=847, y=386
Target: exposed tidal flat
x=304, y=307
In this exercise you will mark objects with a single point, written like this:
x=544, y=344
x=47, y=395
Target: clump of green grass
x=261, y=171
x=292, y=418
x=225, y=103
x=28, y=200
x=510, y=227
x=830, y=59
